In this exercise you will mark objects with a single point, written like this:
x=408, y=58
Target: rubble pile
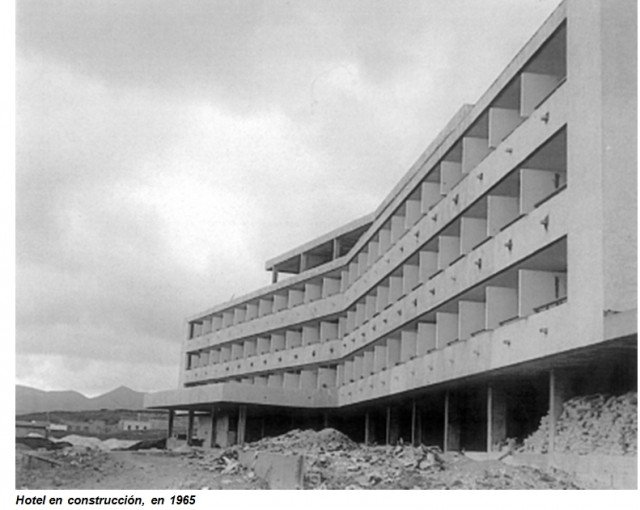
x=600, y=424
x=63, y=467
x=334, y=462
x=327, y=439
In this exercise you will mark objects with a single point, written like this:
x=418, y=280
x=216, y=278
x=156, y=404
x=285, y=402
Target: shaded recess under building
x=495, y=281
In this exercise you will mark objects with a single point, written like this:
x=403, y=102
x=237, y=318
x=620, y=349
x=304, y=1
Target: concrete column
x=190, y=426
x=392, y=427
x=222, y=429
x=170, y=423
x=489, y=418
x=274, y=275
x=325, y=420
x=212, y=432
x=336, y=248
x=242, y=424
x=558, y=393
x=414, y=430
x=303, y=262
x=367, y=428
x=387, y=428
x=497, y=416
x=451, y=423
x=445, y=441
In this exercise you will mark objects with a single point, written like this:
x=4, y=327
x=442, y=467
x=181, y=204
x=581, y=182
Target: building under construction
x=495, y=281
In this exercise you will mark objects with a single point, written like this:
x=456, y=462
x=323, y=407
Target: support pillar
x=489, y=418
x=242, y=424
x=212, y=434
x=190, y=426
x=262, y=428
x=325, y=420
x=451, y=423
x=496, y=417
x=304, y=262
x=414, y=431
x=274, y=275
x=170, y=423
x=445, y=441
x=387, y=436
x=222, y=429
x=336, y=248
x=393, y=427
x=558, y=393
x=368, y=429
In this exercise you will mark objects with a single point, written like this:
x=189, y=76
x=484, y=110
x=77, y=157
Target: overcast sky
x=166, y=149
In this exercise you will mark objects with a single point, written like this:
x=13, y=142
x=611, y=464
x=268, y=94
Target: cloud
x=166, y=149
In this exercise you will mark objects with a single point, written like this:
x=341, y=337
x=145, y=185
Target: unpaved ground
x=125, y=470
x=331, y=460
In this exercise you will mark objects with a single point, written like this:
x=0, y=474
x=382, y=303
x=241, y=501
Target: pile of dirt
x=141, y=445
x=85, y=441
x=326, y=440
x=600, y=424
x=35, y=443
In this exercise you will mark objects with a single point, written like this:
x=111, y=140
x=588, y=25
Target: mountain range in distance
x=32, y=400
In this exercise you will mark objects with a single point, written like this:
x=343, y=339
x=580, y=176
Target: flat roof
x=350, y=227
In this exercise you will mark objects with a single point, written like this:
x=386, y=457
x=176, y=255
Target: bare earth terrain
x=331, y=460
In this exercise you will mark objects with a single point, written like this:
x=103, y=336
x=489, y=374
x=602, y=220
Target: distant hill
x=32, y=400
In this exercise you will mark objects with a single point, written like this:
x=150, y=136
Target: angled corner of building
x=496, y=278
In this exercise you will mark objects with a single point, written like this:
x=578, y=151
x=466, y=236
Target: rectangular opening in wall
x=265, y=306
x=544, y=173
x=312, y=290
x=410, y=274
x=450, y=168
x=449, y=245
x=426, y=339
x=475, y=143
x=542, y=280
x=363, y=262
x=373, y=251
x=382, y=296
x=503, y=204
x=544, y=72
x=430, y=190
x=471, y=318
x=446, y=327
x=428, y=256
x=398, y=226
x=412, y=208
x=384, y=238
x=330, y=285
x=239, y=313
x=504, y=113
x=296, y=297
x=252, y=311
x=473, y=226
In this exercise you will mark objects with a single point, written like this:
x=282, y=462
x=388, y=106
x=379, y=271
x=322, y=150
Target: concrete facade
x=500, y=269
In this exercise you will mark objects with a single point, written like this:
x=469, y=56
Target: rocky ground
x=332, y=461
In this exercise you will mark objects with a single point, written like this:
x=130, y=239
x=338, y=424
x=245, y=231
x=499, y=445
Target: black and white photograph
x=323, y=245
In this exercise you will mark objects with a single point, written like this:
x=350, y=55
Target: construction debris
x=600, y=424
x=333, y=461
x=327, y=439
